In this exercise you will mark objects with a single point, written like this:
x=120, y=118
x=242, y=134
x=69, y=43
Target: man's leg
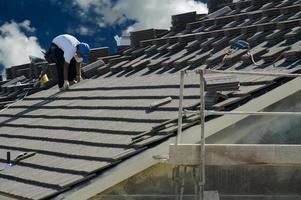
x=60, y=66
x=72, y=70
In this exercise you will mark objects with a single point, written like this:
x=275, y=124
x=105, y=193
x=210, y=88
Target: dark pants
x=56, y=55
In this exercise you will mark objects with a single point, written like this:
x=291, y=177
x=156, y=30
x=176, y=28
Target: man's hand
x=66, y=85
x=78, y=78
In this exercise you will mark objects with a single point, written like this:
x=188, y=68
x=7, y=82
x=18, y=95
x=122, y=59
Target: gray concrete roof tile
x=24, y=190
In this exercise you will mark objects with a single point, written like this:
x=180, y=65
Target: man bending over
x=67, y=53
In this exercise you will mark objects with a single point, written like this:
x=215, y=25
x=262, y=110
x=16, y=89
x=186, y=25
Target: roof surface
x=101, y=121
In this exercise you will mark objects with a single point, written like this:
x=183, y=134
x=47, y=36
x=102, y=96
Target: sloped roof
x=103, y=120
x=76, y=133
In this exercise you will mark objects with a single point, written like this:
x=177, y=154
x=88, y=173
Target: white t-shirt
x=68, y=44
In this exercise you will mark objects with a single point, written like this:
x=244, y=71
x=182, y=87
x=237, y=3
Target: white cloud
x=26, y=25
x=82, y=30
x=15, y=45
x=146, y=13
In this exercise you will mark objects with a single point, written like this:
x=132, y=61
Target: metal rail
x=213, y=112
x=203, y=147
x=210, y=71
x=179, y=135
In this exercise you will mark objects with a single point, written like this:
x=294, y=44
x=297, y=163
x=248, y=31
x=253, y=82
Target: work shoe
x=72, y=82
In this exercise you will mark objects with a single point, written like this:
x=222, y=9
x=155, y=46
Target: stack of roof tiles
x=103, y=120
x=19, y=81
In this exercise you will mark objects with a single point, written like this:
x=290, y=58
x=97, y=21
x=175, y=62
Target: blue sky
x=28, y=26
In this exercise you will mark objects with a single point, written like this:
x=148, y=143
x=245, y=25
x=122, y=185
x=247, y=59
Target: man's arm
x=66, y=68
x=78, y=72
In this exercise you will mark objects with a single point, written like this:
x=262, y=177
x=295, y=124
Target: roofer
x=68, y=54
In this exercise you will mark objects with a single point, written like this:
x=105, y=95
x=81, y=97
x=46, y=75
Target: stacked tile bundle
x=180, y=21
x=20, y=81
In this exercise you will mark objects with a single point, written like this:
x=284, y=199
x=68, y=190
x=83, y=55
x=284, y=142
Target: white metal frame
x=202, y=113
